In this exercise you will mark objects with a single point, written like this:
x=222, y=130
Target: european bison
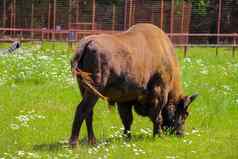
x=135, y=68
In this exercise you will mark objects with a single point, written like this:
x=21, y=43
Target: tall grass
x=38, y=97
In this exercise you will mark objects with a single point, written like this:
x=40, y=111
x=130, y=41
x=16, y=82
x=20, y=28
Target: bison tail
x=85, y=78
x=80, y=52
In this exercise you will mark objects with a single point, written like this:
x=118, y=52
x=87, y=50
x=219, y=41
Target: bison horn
x=190, y=99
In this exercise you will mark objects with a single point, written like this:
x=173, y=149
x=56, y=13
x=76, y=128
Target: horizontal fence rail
x=63, y=35
x=44, y=32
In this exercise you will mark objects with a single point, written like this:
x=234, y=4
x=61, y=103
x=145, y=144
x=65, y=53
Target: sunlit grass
x=38, y=97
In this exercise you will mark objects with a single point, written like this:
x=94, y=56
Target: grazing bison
x=137, y=68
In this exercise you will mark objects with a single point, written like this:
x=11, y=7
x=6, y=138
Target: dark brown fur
x=135, y=68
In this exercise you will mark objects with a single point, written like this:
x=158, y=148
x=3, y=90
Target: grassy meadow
x=38, y=97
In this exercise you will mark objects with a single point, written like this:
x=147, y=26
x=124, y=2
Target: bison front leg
x=83, y=110
x=159, y=100
x=125, y=112
x=156, y=117
x=157, y=124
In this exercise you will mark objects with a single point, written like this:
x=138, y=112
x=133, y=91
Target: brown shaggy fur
x=135, y=68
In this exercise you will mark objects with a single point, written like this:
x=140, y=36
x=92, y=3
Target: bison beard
x=137, y=68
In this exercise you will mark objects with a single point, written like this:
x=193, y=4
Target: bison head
x=174, y=115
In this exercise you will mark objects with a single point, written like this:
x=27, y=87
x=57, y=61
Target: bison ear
x=189, y=99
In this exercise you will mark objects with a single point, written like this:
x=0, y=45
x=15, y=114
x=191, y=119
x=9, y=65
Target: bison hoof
x=179, y=134
x=157, y=134
x=73, y=143
x=92, y=141
x=127, y=137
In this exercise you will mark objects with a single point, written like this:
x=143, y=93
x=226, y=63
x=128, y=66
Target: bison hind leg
x=89, y=124
x=83, y=111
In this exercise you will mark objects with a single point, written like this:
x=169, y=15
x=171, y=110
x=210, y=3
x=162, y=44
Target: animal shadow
x=60, y=145
x=51, y=146
x=134, y=138
x=57, y=146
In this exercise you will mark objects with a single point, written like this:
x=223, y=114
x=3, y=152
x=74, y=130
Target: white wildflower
x=195, y=131
x=199, y=61
x=23, y=118
x=135, y=150
x=14, y=126
x=20, y=153
x=90, y=151
x=40, y=116
x=187, y=59
x=227, y=88
x=189, y=142
x=44, y=57
x=136, y=153
x=204, y=72
x=33, y=155
x=105, y=156
x=171, y=157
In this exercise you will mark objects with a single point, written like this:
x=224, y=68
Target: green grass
x=38, y=97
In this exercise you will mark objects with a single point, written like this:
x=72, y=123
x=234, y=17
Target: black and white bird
x=15, y=45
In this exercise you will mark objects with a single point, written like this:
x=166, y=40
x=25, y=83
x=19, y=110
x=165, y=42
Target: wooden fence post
x=42, y=34
x=219, y=20
x=172, y=17
x=4, y=14
x=54, y=21
x=125, y=15
x=77, y=12
x=130, y=13
x=11, y=18
x=133, y=13
x=185, y=50
x=70, y=16
x=32, y=19
x=161, y=13
x=93, y=16
x=216, y=50
x=14, y=16
x=49, y=20
x=233, y=50
x=234, y=46
x=113, y=16
x=182, y=18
